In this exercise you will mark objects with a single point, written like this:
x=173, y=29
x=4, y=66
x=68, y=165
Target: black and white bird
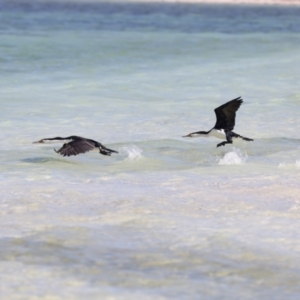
x=225, y=123
x=76, y=145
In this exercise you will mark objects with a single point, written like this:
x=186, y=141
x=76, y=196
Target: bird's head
x=39, y=142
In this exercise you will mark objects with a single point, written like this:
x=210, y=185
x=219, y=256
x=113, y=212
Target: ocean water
x=167, y=217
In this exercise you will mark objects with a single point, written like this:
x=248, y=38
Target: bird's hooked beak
x=38, y=142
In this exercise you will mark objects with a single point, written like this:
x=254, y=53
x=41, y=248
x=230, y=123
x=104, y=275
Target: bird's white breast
x=218, y=133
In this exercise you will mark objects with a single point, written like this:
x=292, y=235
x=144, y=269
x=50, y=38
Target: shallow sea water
x=168, y=217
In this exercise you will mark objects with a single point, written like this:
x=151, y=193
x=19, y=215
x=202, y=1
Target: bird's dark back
x=226, y=114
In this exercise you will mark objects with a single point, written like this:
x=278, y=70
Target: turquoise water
x=166, y=218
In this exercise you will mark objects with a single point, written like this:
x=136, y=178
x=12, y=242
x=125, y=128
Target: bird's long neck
x=199, y=134
x=56, y=139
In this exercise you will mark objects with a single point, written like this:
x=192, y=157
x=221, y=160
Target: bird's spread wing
x=226, y=114
x=75, y=147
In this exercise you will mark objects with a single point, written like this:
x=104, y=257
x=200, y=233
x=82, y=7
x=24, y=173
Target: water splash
x=133, y=152
x=234, y=157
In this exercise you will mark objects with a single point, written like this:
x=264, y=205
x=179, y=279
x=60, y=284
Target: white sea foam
x=290, y=165
x=234, y=157
x=133, y=152
x=282, y=165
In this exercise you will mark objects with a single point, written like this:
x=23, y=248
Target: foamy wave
x=285, y=165
x=133, y=152
x=235, y=157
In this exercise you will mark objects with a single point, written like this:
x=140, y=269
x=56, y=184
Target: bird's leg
x=58, y=151
x=223, y=144
x=228, y=138
x=242, y=137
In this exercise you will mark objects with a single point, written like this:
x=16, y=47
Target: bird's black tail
x=241, y=137
x=106, y=151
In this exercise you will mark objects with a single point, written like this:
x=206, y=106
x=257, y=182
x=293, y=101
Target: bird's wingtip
x=239, y=98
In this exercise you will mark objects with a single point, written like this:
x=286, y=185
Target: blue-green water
x=166, y=218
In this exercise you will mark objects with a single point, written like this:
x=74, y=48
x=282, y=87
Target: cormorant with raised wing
x=76, y=145
x=225, y=123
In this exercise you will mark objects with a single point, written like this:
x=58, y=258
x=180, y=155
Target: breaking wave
x=133, y=152
x=234, y=157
